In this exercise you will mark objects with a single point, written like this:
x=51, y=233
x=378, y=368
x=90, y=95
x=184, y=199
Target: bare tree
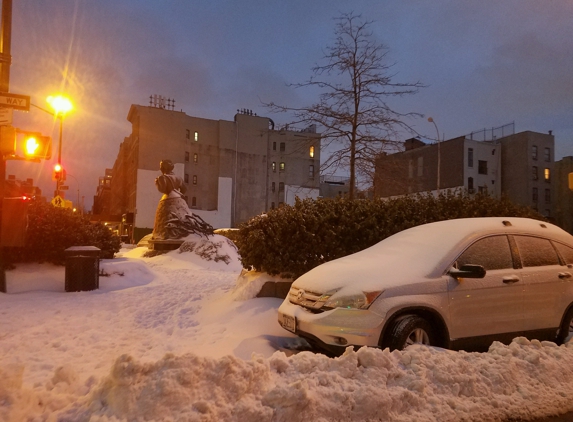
x=356, y=122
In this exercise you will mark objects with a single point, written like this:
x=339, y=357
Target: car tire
x=566, y=327
x=410, y=329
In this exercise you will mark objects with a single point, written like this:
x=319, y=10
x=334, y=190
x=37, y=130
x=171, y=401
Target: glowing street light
x=61, y=105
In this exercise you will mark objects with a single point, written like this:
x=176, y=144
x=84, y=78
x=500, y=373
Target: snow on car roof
x=417, y=252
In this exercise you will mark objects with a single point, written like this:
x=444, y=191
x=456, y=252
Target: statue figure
x=173, y=219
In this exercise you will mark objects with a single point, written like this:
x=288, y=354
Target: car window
x=565, y=251
x=492, y=253
x=535, y=251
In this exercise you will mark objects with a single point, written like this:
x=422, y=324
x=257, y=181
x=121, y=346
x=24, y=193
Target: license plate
x=289, y=323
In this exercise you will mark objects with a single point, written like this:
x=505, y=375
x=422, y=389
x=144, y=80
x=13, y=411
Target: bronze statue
x=173, y=219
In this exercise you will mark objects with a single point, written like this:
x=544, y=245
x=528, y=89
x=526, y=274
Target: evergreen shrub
x=291, y=240
x=51, y=230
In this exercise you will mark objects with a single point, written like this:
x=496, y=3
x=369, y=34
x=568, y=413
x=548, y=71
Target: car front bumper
x=332, y=330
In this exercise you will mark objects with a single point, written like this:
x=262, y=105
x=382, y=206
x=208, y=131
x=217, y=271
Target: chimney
x=551, y=132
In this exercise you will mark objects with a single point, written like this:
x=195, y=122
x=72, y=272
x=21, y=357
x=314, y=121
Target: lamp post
x=61, y=106
x=438, y=139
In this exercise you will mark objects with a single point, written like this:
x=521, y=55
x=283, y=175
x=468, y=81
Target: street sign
x=63, y=187
x=6, y=116
x=58, y=201
x=15, y=101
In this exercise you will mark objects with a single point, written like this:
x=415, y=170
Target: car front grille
x=307, y=299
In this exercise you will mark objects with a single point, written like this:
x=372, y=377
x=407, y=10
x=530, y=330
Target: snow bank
x=523, y=380
x=250, y=283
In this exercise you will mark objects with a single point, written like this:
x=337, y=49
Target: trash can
x=82, y=268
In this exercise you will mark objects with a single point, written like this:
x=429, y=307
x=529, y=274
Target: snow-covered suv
x=459, y=284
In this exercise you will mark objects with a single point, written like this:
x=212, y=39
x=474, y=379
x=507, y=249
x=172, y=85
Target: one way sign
x=16, y=101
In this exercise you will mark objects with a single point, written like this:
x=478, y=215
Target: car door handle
x=510, y=279
x=565, y=275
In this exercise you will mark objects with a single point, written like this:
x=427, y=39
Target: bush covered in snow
x=51, y=230
x=291, y=240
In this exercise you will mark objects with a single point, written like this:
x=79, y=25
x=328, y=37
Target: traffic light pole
x=5, y=61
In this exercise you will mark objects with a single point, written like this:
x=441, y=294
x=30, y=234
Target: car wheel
x=408, y=330
x=566, y=329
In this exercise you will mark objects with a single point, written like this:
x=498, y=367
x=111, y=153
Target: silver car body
x=409, y=271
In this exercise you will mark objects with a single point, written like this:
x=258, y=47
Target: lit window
x=311, y=171
x=274, y=166
x=547, y=154
x=470, y=157
x=195, y=158
x=282, y=166
x=194, y=201
x=534, y=173
x=186, y=156
x=547, y=175
x=281, y=186
x=534, y=195
x=534, y=152
x=194, y=179
x=282, y=146
x=187, y=134
x=311, y=152
x=196, y=136
x=186, y=177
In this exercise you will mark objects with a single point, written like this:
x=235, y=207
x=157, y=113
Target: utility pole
x=5, y=62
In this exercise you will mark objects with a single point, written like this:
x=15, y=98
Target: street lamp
x=438, y=139
x=61, y=105
x=78, y=200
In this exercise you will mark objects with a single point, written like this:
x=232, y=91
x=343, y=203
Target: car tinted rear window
x=535, y=251
x=565, y=251
x=492, y=253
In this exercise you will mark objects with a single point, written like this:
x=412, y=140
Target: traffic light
x=59, y=173
x=35, y=145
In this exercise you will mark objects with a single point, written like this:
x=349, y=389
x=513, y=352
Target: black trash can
x=82, y=268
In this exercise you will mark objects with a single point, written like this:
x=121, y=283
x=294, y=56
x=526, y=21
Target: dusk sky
x=486, y=63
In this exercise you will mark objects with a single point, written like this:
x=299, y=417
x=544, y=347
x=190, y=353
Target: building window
x=547, y=196
x=547, y=174
x=534, y=152
x=196, y=136
x=482, y=167
x=534, y=173
x=534, y=195
x=186, y=177
x=274, y=146
x=282, y=166
x=195, y=158
x=282, y=146
x=273, y=187
x=470, y=184
x=410, y=169
x=187, y=134
x=482, y=189
x=194, y=201
x=420, y=166
x=272, y=205
x=281, y=187
x=186, y=156
x=274, y=166
x=194, y=179
x=311, y=153
x=547, y=213
x=311, y=171
x=547, y=154
x=470, y=157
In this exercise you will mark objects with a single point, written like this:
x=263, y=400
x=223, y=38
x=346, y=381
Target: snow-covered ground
x=173, y=338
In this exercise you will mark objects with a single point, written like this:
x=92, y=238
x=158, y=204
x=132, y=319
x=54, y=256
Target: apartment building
x=516, y=165
x=233, y=170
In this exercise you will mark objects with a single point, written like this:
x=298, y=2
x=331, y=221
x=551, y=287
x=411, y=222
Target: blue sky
x=485, y=63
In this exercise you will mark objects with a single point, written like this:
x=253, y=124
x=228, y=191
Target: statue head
x=166, y=166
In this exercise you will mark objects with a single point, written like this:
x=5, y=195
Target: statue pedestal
x=164, y=245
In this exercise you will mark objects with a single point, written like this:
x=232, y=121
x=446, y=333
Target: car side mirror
x=468, y=271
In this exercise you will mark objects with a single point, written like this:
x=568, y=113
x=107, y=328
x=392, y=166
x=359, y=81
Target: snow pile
x=523, y=380
x=250, y=283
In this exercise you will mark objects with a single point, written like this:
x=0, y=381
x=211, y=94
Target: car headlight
x=361, y=300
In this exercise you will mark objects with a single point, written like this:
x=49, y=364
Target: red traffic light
x=59, y=173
